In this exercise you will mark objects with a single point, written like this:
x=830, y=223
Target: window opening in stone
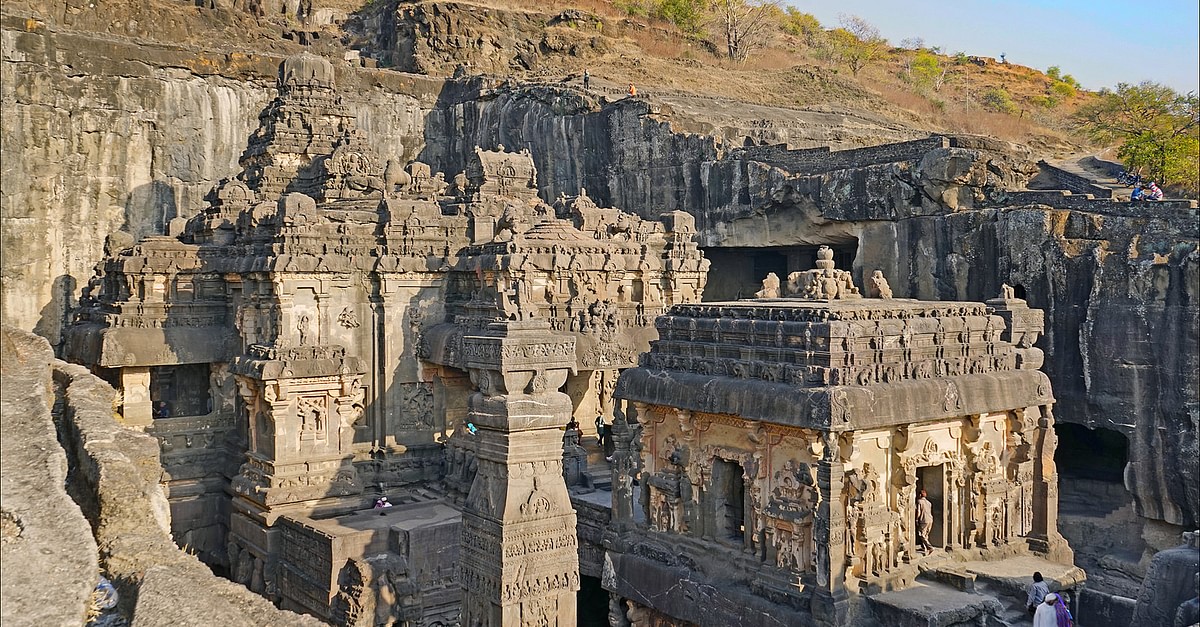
x=730, y=490
x=932, y=480
x=180, y=390
x=738, y=272
x=1019, y=291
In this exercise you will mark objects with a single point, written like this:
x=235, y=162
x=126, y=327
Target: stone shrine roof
x=843, y=364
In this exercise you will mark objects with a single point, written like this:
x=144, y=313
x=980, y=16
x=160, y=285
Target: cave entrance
x=1091, y=469
x=738, y=272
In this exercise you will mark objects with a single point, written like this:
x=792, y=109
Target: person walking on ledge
x=924, y=523
x=587, y=80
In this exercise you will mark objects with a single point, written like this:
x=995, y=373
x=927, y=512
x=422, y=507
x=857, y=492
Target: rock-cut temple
x=375, y=390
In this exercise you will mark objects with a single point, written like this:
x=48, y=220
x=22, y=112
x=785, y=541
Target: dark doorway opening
x=591, y=603
x=184, y=389
x=1097, y=454
x=932, y=480
x=739, y=272
x=730, y=490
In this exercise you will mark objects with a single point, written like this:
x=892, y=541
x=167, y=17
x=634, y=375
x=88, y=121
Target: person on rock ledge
x=587, y=80
x=1037, y=593
x=632, y=91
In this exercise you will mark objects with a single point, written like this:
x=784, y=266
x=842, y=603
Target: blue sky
x=1099, y=42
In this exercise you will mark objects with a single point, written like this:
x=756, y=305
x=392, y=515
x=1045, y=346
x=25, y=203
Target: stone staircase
x=597, y=468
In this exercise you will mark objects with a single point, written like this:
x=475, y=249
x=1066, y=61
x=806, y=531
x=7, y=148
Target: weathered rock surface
x=50, y=558
x=1173, y=579
x=50, y=563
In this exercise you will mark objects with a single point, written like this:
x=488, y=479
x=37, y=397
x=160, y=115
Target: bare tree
x=746, y=24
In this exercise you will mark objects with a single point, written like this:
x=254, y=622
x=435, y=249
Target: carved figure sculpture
x=878, y=286
x=770, y=287
x=394, y=176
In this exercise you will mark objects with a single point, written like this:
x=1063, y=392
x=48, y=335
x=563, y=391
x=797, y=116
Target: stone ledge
x=119, y=467
x=50, y=561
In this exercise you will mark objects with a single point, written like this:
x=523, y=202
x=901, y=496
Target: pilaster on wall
x=519, y=562
x=1045, y=536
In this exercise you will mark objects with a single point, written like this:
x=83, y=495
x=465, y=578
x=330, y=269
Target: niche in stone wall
x=182, y=390
x=738, y=272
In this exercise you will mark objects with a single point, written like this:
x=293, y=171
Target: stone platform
x=955, y=593
x=932, y=605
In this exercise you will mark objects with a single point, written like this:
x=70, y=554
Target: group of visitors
x=1047, y=608
x=1150, y=192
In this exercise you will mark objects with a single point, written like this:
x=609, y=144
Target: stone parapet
x=119, y=468
x=50, y=561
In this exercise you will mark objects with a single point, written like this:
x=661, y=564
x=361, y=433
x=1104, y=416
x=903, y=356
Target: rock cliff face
x=102, y=137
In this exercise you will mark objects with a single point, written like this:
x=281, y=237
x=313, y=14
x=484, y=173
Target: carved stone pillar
x=1044, y=536
x=830, y=600
x=625, y=469
x=135, y=391
x=519, y=558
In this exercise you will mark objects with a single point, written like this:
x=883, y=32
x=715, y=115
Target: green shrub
x=1063, y=90
x=1046, y=102
x=998, y=99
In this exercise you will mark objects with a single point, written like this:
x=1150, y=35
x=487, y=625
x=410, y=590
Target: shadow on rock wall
x=56, y=314
x=149, y=208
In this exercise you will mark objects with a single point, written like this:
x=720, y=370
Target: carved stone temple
x=371, y=383
x=781, y=444
x=319, y=336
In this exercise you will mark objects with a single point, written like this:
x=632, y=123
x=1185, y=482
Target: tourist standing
x=924, y=522
x=1037, y=593
x=632, y=91
x=587, y=80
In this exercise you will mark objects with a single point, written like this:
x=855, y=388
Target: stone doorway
x=932, y=479
x=730, y=491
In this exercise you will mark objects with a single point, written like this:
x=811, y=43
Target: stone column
x=519, y=555
x=135, y=393
x=625, y=470
x=830, y=600
x=1045, y=536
